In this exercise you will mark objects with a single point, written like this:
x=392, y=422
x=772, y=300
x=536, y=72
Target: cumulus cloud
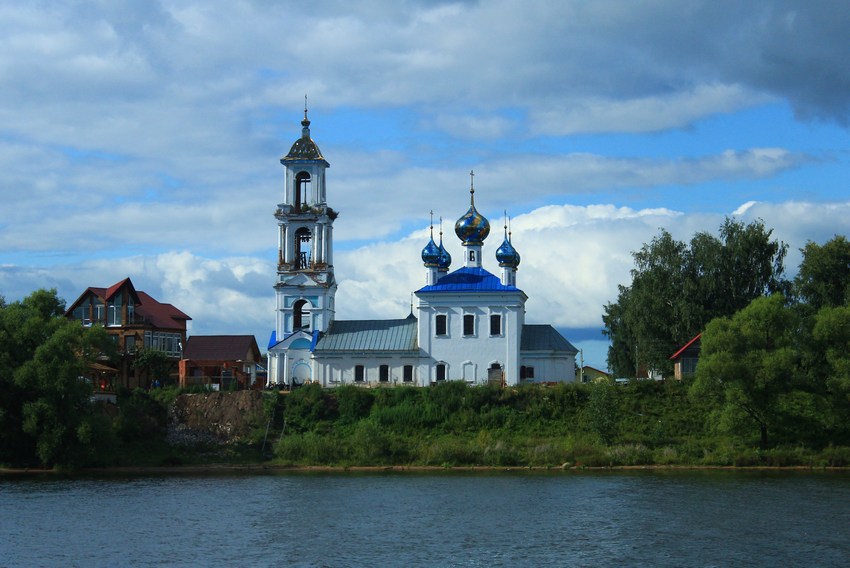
x=142, y=139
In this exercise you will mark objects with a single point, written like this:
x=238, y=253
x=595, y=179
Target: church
x=465, y=325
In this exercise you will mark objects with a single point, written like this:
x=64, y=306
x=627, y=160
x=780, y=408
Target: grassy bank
x=452, y=425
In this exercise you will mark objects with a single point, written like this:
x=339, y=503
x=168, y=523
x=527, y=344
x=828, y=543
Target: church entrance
x=495, y=376
x=301, y=372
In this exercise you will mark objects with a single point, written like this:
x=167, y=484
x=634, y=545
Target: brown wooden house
x=221, y=362
x=135, y=320
x=685, y=359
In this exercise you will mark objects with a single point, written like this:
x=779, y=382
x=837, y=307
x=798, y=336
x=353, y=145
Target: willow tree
x=748, y=365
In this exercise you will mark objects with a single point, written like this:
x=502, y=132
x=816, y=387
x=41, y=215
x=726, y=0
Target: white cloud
x=661, y=111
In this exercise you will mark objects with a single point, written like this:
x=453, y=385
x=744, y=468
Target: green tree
x=677, y=288
x=824, y=275
x=830, y=366
x=602, y=411
x=748, y=364
x=46, y=413
x=154, y=363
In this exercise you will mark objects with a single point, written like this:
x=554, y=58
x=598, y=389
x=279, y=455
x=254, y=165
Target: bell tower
x=305, y=286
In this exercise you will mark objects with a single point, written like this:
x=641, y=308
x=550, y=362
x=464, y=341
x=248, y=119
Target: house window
x=130, y=344
x=495, y=324
x=441, y=324
x=468, y=324
x=384, y=373
x=441, y=371
x=689, y=366
x=114, y=312
x=408, y=373
x=526, y=372
x=131, y=313
x=359, y=373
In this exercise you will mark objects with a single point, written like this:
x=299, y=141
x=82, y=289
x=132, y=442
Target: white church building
x=466, y=325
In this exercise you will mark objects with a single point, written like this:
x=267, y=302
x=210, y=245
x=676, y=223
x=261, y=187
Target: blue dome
x=431, y=254
x=507, y=255
x=473, y=227
x=445, y=257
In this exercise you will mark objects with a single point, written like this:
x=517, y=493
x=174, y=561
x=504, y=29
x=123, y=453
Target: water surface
x=715, y=518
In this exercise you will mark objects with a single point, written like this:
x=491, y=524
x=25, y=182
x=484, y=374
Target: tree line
x=773, y=350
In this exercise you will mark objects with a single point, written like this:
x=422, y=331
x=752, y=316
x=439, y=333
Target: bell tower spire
x=305, y=287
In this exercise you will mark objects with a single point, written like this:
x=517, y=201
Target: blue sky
x=142, y=139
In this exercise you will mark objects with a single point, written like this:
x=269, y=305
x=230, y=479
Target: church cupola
x=508, y=258
x=445, y=257
x=431, y=256
x=472, y=229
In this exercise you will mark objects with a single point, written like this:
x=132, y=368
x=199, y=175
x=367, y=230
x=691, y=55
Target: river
x=620, y=518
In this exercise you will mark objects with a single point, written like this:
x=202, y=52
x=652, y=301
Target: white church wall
x=549, y=367
x=339, y=370
x=469, y=356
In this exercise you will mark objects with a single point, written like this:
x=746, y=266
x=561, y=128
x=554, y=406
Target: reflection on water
x=715, y=518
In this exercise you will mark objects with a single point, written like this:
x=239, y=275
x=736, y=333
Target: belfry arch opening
x=301, y=315
x=303, y=248
x=302, y=189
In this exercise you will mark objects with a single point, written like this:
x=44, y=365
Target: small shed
x=685, y=359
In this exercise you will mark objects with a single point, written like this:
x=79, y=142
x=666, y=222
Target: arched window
x=300, y=316
x=303, y=256
x=302, y=190
x=441, y=371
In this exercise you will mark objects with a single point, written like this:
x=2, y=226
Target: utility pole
x=581, y=368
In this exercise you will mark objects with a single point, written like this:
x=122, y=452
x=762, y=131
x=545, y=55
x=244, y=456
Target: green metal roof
x=370, y=335
x=536, y=337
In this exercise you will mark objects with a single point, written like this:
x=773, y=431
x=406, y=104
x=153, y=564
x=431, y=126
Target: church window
x=468, y=324
x=384, y=373
x=408, y=373
x=359, y=373
x=303, y=258
x=441, y=371
x=495, y=324
x=300, y=316
x=302, y=190
x=441, y=327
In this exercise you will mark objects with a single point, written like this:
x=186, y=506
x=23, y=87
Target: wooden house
x=135, y=320
x=221, y=362
x=685, y=359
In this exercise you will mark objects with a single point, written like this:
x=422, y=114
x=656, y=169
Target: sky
x=142, y=139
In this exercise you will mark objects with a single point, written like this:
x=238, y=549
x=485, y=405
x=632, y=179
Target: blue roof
x=469, y=279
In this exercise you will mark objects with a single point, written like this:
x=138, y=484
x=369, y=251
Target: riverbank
x=262, y=469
